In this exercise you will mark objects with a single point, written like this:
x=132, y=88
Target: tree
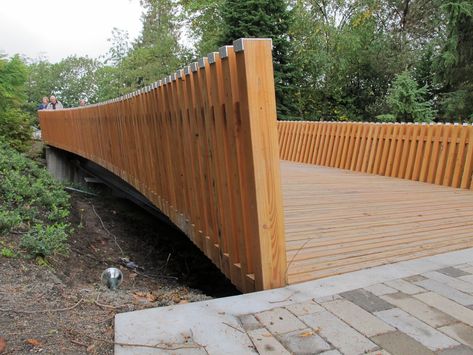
x=157, y=51
x=120, y=47
x=40, y=83
x=71, y=79
x=407, y=102
x=75, y=79
x=15, y=123
x=12, y=82
x=204, y=21
x=455, y=64
x=266, y=19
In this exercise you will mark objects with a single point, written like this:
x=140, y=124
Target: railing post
x=258, y=124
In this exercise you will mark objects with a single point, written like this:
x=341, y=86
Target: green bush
x=7, y=252
x=9, y=220
x=407, y=100
x=29, y=196
x=46, y=240
x=16, y=129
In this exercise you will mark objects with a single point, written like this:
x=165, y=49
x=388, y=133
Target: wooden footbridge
x=272, y=203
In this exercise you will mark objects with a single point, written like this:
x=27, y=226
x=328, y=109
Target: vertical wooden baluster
x=258, y=115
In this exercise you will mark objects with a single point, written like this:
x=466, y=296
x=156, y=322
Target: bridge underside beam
x=69, y=167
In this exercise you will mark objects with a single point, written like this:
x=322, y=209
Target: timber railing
x=440, y=154
x=202, y=146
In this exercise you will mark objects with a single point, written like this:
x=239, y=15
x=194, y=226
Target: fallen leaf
x=33, y=342
x=139, y=296
x=3, y=345
x=145, y=296
x=306, y=334
x=176, y=298
x=151, y=297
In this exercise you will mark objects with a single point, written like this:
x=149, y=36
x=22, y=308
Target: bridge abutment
x=61, y=166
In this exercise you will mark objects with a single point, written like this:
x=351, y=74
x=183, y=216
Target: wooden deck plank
x=339, y=221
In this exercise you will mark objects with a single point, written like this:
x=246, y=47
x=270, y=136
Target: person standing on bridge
x=44, y=104
x=54, y=104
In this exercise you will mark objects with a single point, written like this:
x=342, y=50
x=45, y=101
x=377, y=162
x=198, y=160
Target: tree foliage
x=407, y=100
x=455, y=62
x=265, y=19
x=15, y=122
x=333, y=59
x=157, y=51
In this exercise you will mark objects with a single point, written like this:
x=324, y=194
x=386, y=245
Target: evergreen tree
x=456, y=60
x=157, y=52
x=265, y=19
x=407, y=102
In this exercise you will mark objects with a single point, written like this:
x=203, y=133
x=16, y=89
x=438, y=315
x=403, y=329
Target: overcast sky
x=59, y=28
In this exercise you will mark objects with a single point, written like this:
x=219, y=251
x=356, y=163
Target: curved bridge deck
x=338, y=221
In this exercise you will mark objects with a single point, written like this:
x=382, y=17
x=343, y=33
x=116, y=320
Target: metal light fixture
x=112, y=278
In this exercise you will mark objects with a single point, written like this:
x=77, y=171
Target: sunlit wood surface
x=339, y=221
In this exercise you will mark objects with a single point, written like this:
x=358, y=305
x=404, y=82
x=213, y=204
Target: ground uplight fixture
x=112, y=278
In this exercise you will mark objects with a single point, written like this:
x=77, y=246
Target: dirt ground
x=64, y=309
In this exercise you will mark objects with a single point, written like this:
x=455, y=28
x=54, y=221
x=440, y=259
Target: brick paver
x=460, y=332
x=301, y=309
x=367, y=300
x=453, y=282
x=420, y=310
x=423, y=314
x=445, y=305
x=458, y=350
x=338, y=333
x=423, y=333
x=430, y=313
x=363, y=321
x=380, y=289
x=266, y=343
x=447, y=291
x=400, y=343
x=280, y=321
x=405, y=286
x=453, y=271
x=305, y=341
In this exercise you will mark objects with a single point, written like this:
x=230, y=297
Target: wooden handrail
x=440, y=154
x=201, y=145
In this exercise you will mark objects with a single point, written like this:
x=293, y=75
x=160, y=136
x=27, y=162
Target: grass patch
x=33, y=205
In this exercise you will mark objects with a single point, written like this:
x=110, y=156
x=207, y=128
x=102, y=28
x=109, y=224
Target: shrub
x=9, y=220
x=16, y=129
x=44, y=240
x=30, y=196
x=7, y=252
x=406, y=100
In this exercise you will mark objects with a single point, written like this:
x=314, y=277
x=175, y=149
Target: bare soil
x=63, y=308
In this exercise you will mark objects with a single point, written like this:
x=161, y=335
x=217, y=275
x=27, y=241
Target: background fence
x=435, y=153
x=202, y=146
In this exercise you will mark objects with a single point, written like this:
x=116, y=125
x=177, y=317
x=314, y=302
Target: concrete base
x=61, y=167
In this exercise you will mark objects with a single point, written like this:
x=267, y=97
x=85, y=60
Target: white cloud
x=59, y=28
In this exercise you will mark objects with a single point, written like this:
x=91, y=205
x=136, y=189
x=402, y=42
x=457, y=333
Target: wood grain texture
x=203, y=148
x=339, y=221
x=436, y=153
